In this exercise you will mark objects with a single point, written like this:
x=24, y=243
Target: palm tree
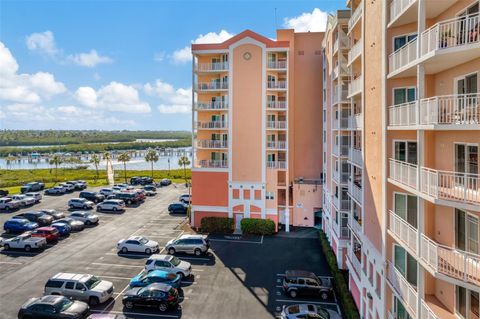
x=184, y=161
x=57, y=161
x=96, y=161
x=152, y=157
x=124, y=158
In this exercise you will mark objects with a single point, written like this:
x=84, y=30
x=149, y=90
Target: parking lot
x=239, y=278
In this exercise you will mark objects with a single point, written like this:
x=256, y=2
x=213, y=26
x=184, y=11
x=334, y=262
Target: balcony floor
x=438, y=308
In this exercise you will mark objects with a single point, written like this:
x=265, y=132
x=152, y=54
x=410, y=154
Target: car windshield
x=143, y=240
x=175, y=261
x=92, y=282
x=63, y=305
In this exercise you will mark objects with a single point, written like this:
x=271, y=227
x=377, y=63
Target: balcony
x=277, y=105
x=341, y=42
x=340, y=70
x=404, y=173
x=340, y=123
x=339, y=94
x=355, y=51
x=277, y=65
x=212, y=144
x=402, y=59
x=355, y=122
x=212, y=67
x=212, y=164
x=403, y=231
x=342, y=232
x=340, y=177
x=355, y=224
x=355, y=87
x=215, y=125
x=212, y=86
x=402, y=115
x=277, y=125
x=402, y=12
x=355, y=192
x=209, y=106
x=277, y=164
x=277, y=85
x=276, y=145
x=340, y=150
x=403, y=289
x=355, y=17
x=341, y=204
x=355, y=258
x=461, y=110
x=355, y=156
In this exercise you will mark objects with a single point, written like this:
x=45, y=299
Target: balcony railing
x=341, y=204
x=355, y=224
x=342, y=231
x=278, y=145
x=210, y=86
x=355, y=51
x=355, y=191
x=213, y=164
x=356, y=121
x=212, y=67
x=217, y=105
x=355, y=16
x=340, y=150
x=403, y=288
x=212, y=144
x=397, y=7
x=357, y=264
x=277, y=164
x=403, y=114
x=211, y=125
x=339, y=94
x=277, y=64
x=277, y=125
x=355, y=156
x=451, y=262
x=340, y=69
x=355, y=86
x=404, y=173
x=451, y=33
x=278, y=85
x=278, y=105
x=426, y=312
x=403, y=56
x=451, y=109
x=404, y=231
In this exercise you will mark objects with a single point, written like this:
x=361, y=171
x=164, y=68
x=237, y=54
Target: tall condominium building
x=257, y=123
x=401, y=139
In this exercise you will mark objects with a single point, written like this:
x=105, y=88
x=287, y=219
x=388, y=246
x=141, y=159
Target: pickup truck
x=32, y=187
x=25, y=242
x=24, y=200
x=7, y=203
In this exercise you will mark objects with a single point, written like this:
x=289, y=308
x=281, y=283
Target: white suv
x=80, y=203
x=138, y=244
x=87, y=218
x=169, y=263
x=106, y=191
x=111, y=204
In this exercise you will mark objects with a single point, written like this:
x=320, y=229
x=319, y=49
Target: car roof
x=303, y=308
x=158, y=273
x=188, y=236
x=136, y=237
x=159, y=286
x=300, y=273
x=161, y=257
x=47, y=228
x=49, y=299
x=72, y=276
x=18, y=220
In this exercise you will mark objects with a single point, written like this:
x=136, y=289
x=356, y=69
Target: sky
x=115, y=64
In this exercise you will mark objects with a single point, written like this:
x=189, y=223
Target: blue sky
x=121, y=64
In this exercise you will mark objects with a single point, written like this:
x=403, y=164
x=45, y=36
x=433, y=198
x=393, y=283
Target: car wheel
x=129, y=305
x=324, y=295
x=72, y=207
x=85, y=207
x=171, y=250
x=129, y=202
x=124, y=250
x=7, y=208
x=148, y=251
x=6, y=246
x=114, y=209
x=163, y=307
x=181, y=275
x=293, y=293
x=28, y=248
x=93, y=301
x=197, y=252
x=88, y=222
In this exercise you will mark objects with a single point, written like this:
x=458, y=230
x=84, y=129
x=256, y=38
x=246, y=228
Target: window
x=467, y=299
x=70, y=285
x=400, y=41
x=406, y=151
x=466, y=158
x=54, y=283
x=403, y=95
x=405, y=206
x=466, y=232
x=405, y=264
x=269, y=196
x=400, y=311
x=80, y=286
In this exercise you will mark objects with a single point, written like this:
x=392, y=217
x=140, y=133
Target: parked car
x=7, y=203
x=80, y=203
x=82, y=287
x=169, y=263
x=32, y=187
x=51, y=234
x=57, y=190
x=128, y=198
x=77, y=185
x=147, y=278
x=106, y=191
x=185, y=198
x=52, y=212
x=40, y=218
x=150, y=191
x=74, y=224
x=178, y=208
x=159, y=296
x=192, y=244
x=88, y=218
x=19, y=225
x=63, y=228
x=24, y=200
x=36, y=195
x=92, y=196
x=115, y=205
x=53, y=307
x=24, y=241
x=137, y=244
x=123, y=185
x=68, y=187
x=3, y=192
x=300, y=282
x=165, y=182
x=308, y=311
x=141, y=180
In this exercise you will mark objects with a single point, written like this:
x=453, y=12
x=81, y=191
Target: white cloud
x=172, y=100
x=184, y=55
x=90, y=59
x=315, y=21
x=43, y=42
x=87, y=96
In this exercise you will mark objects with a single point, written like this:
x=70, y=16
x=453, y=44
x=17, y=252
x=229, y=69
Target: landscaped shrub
x=339, y=283
x=217, y=225
x=256, y=226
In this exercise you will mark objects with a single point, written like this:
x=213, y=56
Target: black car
x=40, y=218
x=165, y=182
x=177, y=208
x=92, y=196
x=128, y=198
x=52, y=212
x=3, y=193
x=53, y=307
x=157, y=295
x=141, y=180
x=300, y=282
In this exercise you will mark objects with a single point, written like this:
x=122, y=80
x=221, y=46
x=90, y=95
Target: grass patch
x=347, y=304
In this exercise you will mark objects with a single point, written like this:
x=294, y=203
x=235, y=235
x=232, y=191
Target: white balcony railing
x=403, y=114
x=355, y=156
x=211, y=125
x=404, y=173
x=277, y=125
x=277, y=64
x=397, y=7
x=426, y=312
x=217, y=105
x=278, y=85
x=451, y=109
x=278, y=145
x=355, y=122
x=278, y=105
x=355, y=86
x=451, y=262
x=355, y=16
x=451, y=33
x=340, y=150
x=355, y=51
x=355, y=224
x=335, y=175
x=403, y=56
x=212, y=67
x=277, y=164
x=341, y=203
x=355, y=191
x=339, y=94
x=213, y=164
x=404, y=231
x=212, y=144
x=211, y=86
x=357, y=264
x=403, y=288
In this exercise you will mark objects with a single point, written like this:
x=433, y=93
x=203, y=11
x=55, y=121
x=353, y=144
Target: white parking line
x=117, y=265
x=113, y=277
x=136, y=314
x=128, y=255
x=194, y=258
x=10, y=263
x=11, y=252
x=306, y=301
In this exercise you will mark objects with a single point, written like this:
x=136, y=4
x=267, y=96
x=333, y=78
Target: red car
x=49, y=233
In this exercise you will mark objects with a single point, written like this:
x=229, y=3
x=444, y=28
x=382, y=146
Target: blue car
x=63, y=228
x=156, y=276
x=19, y=225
